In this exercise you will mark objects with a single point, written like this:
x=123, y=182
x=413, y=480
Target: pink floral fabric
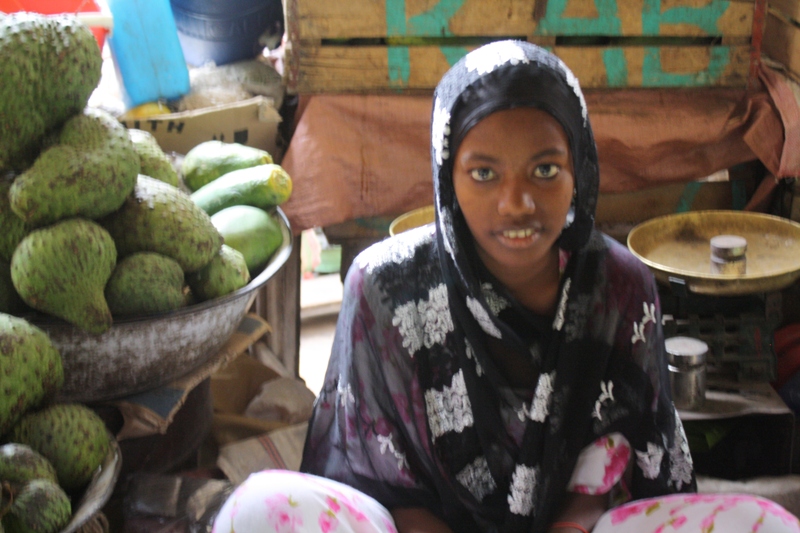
x=280, y=501
x=699, y=513
x=601, y=465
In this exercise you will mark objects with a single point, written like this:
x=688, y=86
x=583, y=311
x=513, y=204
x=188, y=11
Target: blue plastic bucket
x=223, y=32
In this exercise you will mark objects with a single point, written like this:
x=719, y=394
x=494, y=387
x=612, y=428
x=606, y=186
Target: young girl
x=502, y=369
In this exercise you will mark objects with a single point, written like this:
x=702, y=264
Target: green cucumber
x=251, y=231
x=261, y=186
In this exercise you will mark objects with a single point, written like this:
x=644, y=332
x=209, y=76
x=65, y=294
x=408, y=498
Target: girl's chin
x=519, y=257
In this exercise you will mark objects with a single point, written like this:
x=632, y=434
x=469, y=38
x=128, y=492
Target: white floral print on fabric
x=650, y=461
x=489, y=57
x=450, y=409
x=405, y=318
x=495, y=302
x=440, y=128
x=435, y=315
x=649, y=316
x=606, y=395
x=572, y=80
x=523, y=486
x=471, y=355
x=345, y=393
x=477, y=478
x=558, y=323
x=601, y=465
x=426, y=322
x=483, y=318
x=449, y=237
x=540, y=404
x=387, y=444
x=680, y=471
x=395, y=252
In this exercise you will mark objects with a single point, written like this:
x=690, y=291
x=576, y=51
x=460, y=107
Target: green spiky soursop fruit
x=14, y=228
x=51, y=65
x=223, y=275
x=87, y=173
x=20, y=463
x=71, y=436
x=160, y=218
x=154, y=162
x=144, y=283
x=63, y=269
x=40, y=506
x=30, y=366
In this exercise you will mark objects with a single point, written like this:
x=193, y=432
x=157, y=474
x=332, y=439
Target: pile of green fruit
x=49, y=452
x=96, y=222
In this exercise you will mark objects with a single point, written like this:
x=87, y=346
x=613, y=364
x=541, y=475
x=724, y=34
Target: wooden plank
x=317, y=20
x=782, y=42
x=788, y=8
x=278, y=302
x=333, y=69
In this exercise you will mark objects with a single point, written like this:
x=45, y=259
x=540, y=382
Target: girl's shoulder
x=621, y=275
x=621, y=260
x=404, y=264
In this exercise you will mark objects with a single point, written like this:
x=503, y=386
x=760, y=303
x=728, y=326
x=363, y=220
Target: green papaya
x=211, y=159
x=251, y=231
x=261, y=186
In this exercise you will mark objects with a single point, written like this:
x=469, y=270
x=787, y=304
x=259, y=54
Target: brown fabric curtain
x=358, y=156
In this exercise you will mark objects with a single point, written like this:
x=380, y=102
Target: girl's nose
x=515, y=200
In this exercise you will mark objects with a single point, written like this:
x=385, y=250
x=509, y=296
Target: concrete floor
x=320, y=298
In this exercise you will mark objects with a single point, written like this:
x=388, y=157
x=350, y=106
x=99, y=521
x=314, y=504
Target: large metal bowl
x=677, y=248
x=144, y=353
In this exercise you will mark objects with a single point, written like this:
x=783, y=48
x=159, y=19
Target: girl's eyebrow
x=479, y=157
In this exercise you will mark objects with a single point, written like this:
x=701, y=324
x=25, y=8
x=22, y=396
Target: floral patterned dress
x=396, y=419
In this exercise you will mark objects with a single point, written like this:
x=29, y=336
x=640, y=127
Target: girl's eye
x=546, y=171
x=482, y=174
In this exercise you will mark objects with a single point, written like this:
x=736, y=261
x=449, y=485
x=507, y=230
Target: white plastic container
x=146, y=51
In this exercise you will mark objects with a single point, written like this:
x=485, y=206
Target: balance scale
x=734, y=313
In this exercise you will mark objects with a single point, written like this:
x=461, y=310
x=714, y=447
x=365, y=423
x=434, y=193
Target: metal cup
x=687, y=371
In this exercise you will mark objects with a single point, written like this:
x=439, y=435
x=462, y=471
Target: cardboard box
x=253, y=122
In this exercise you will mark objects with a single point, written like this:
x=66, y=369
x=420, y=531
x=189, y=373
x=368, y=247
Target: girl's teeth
x=518, y=234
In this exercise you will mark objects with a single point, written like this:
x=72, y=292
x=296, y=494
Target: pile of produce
x=97, y=222
x=50, y=451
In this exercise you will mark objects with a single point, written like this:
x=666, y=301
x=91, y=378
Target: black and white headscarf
x=528, y=481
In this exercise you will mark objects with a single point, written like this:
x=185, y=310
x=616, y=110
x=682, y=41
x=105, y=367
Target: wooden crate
x=782, y=35
x=406, y=45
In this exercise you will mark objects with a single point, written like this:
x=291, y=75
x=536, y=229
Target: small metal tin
x=687, y=371
x=728, y=255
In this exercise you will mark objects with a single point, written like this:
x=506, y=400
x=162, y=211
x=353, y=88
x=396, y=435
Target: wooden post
x=278, y=302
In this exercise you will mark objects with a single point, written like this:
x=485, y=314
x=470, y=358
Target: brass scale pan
x=678, y=247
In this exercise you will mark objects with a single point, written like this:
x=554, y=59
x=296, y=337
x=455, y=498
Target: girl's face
x=513, y=179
